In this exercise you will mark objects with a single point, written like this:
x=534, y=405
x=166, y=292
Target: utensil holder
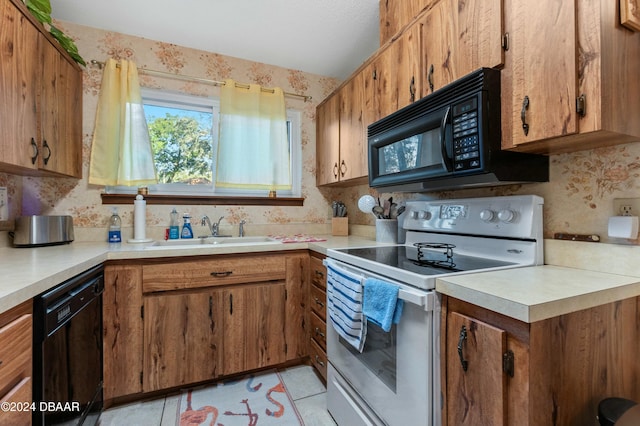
x=340, y=226
x=387, y=231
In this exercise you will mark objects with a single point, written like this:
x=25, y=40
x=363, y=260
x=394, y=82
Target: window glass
x=183, y=130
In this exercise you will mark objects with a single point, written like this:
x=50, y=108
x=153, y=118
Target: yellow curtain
x=121, y=150
x=253, y=146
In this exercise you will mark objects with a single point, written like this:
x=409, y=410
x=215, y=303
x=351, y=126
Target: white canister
x=387, y=231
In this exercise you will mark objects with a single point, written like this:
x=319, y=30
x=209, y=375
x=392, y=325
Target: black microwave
x=449, y=139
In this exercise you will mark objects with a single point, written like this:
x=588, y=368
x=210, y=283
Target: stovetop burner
x=405, y=257
x=426, y=252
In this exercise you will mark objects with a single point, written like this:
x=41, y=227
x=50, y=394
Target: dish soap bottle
x=187, y=232
x=174, y=226
x=115, y=226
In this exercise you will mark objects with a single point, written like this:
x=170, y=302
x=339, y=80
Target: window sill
x=202, y=200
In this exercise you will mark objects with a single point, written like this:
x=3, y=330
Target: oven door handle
x=416, y=298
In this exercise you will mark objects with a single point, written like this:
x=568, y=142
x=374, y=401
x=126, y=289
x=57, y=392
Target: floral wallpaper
x=578, y=199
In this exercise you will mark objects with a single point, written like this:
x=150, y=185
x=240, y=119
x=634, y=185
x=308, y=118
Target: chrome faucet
x=214, y=228
x=241, y=228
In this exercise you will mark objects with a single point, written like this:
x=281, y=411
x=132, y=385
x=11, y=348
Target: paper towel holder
x=623, y=227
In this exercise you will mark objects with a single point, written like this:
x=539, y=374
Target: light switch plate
x=4, y=204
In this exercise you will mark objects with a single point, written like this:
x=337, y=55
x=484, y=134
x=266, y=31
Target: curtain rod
x=100, y=65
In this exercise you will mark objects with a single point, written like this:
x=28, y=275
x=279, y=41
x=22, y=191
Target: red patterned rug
x=254, y=400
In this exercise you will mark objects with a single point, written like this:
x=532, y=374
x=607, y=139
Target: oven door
x=397, y=374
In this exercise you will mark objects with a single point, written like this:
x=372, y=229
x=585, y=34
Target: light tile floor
x=306, y=390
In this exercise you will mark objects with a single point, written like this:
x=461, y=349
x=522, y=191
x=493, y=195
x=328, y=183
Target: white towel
x=344, y=304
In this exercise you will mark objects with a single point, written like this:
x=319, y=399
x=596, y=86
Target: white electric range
x=396, y=378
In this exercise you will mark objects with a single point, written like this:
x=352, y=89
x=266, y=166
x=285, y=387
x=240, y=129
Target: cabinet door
x=181, y=338
x=254, y=326
x=19, y=86
x=396, y=73
x=541, y=71
x=328, y=140
x=61, y=150
x=297, y=304
x=122, y=330
x=475, y=395
x=478, y=29
x=437, y=48
x=353, y=130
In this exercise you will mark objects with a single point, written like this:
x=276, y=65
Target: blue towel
x=344, y=304
x=381, y=304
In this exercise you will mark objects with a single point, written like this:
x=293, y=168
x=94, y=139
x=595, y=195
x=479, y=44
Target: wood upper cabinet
x=61, y=135
x=19, y=89
x=341, y=135
x=539, y=98
x=395, y=74
x=576, y=79
x=549, y=372
x=397, y=14
x=328, y=141
x=41, y=108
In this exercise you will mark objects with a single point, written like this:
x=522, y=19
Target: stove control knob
x=487, y=215
x=425, y=215
x=413, y=214
x=507, y=215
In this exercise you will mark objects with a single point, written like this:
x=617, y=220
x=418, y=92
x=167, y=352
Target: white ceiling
x=326, y=37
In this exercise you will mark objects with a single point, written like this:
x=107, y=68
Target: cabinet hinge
x=141, y=376
x=285, y=348
x=505, y=41
x=508, y=363
x=286, y=295
x=581, y=105
x=142, y=311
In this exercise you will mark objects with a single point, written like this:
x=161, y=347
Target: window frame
x=211, y=104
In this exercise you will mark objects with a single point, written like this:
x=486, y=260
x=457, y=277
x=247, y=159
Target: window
x=183, y=130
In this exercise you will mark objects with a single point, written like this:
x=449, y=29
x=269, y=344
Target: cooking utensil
x=387, y=207
x=366, y=203
x=378, y=212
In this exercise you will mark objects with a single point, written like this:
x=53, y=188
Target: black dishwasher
x=67, y=351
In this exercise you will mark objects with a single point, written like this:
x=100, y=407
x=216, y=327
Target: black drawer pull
x=319, y=274
x=463, y=337
x=318, y=302
x=221, y=274
x=319, y=333
x=318, y=361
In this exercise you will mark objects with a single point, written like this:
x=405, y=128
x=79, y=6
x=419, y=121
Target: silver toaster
x=34, y=231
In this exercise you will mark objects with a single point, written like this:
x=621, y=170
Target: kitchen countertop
x=527, y=294
x=27, y=272
x=539, y=292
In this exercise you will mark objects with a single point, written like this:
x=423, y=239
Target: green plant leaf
x=41, y=9
x=68, y=44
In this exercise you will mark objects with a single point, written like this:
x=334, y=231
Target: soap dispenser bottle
x=174, y=225
x=115, y=224
x=187, y=232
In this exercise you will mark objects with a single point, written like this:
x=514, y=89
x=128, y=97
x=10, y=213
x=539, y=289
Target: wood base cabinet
x=318, y=316
x=16, y=336
x=170, y=324
x=500, y=371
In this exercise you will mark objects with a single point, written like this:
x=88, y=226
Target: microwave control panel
x=466, y=145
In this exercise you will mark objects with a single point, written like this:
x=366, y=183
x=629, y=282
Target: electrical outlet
x=4, y=204
x=626, y=207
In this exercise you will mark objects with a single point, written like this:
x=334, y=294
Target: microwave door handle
x=446, y=160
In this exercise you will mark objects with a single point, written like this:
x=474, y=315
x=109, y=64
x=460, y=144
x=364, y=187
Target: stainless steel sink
x=211, y=241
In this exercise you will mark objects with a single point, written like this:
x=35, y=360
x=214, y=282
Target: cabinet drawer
x=318, y=272
x=15, y=353
x=319, y=359
x=20, y=394
x=318, y=302
x=319, y=331
x=212, y=272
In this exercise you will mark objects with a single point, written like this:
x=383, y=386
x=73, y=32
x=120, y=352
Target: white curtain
x=121, y=151
x=253, y=146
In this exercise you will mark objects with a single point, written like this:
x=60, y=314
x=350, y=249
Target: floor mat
x=253, y=400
